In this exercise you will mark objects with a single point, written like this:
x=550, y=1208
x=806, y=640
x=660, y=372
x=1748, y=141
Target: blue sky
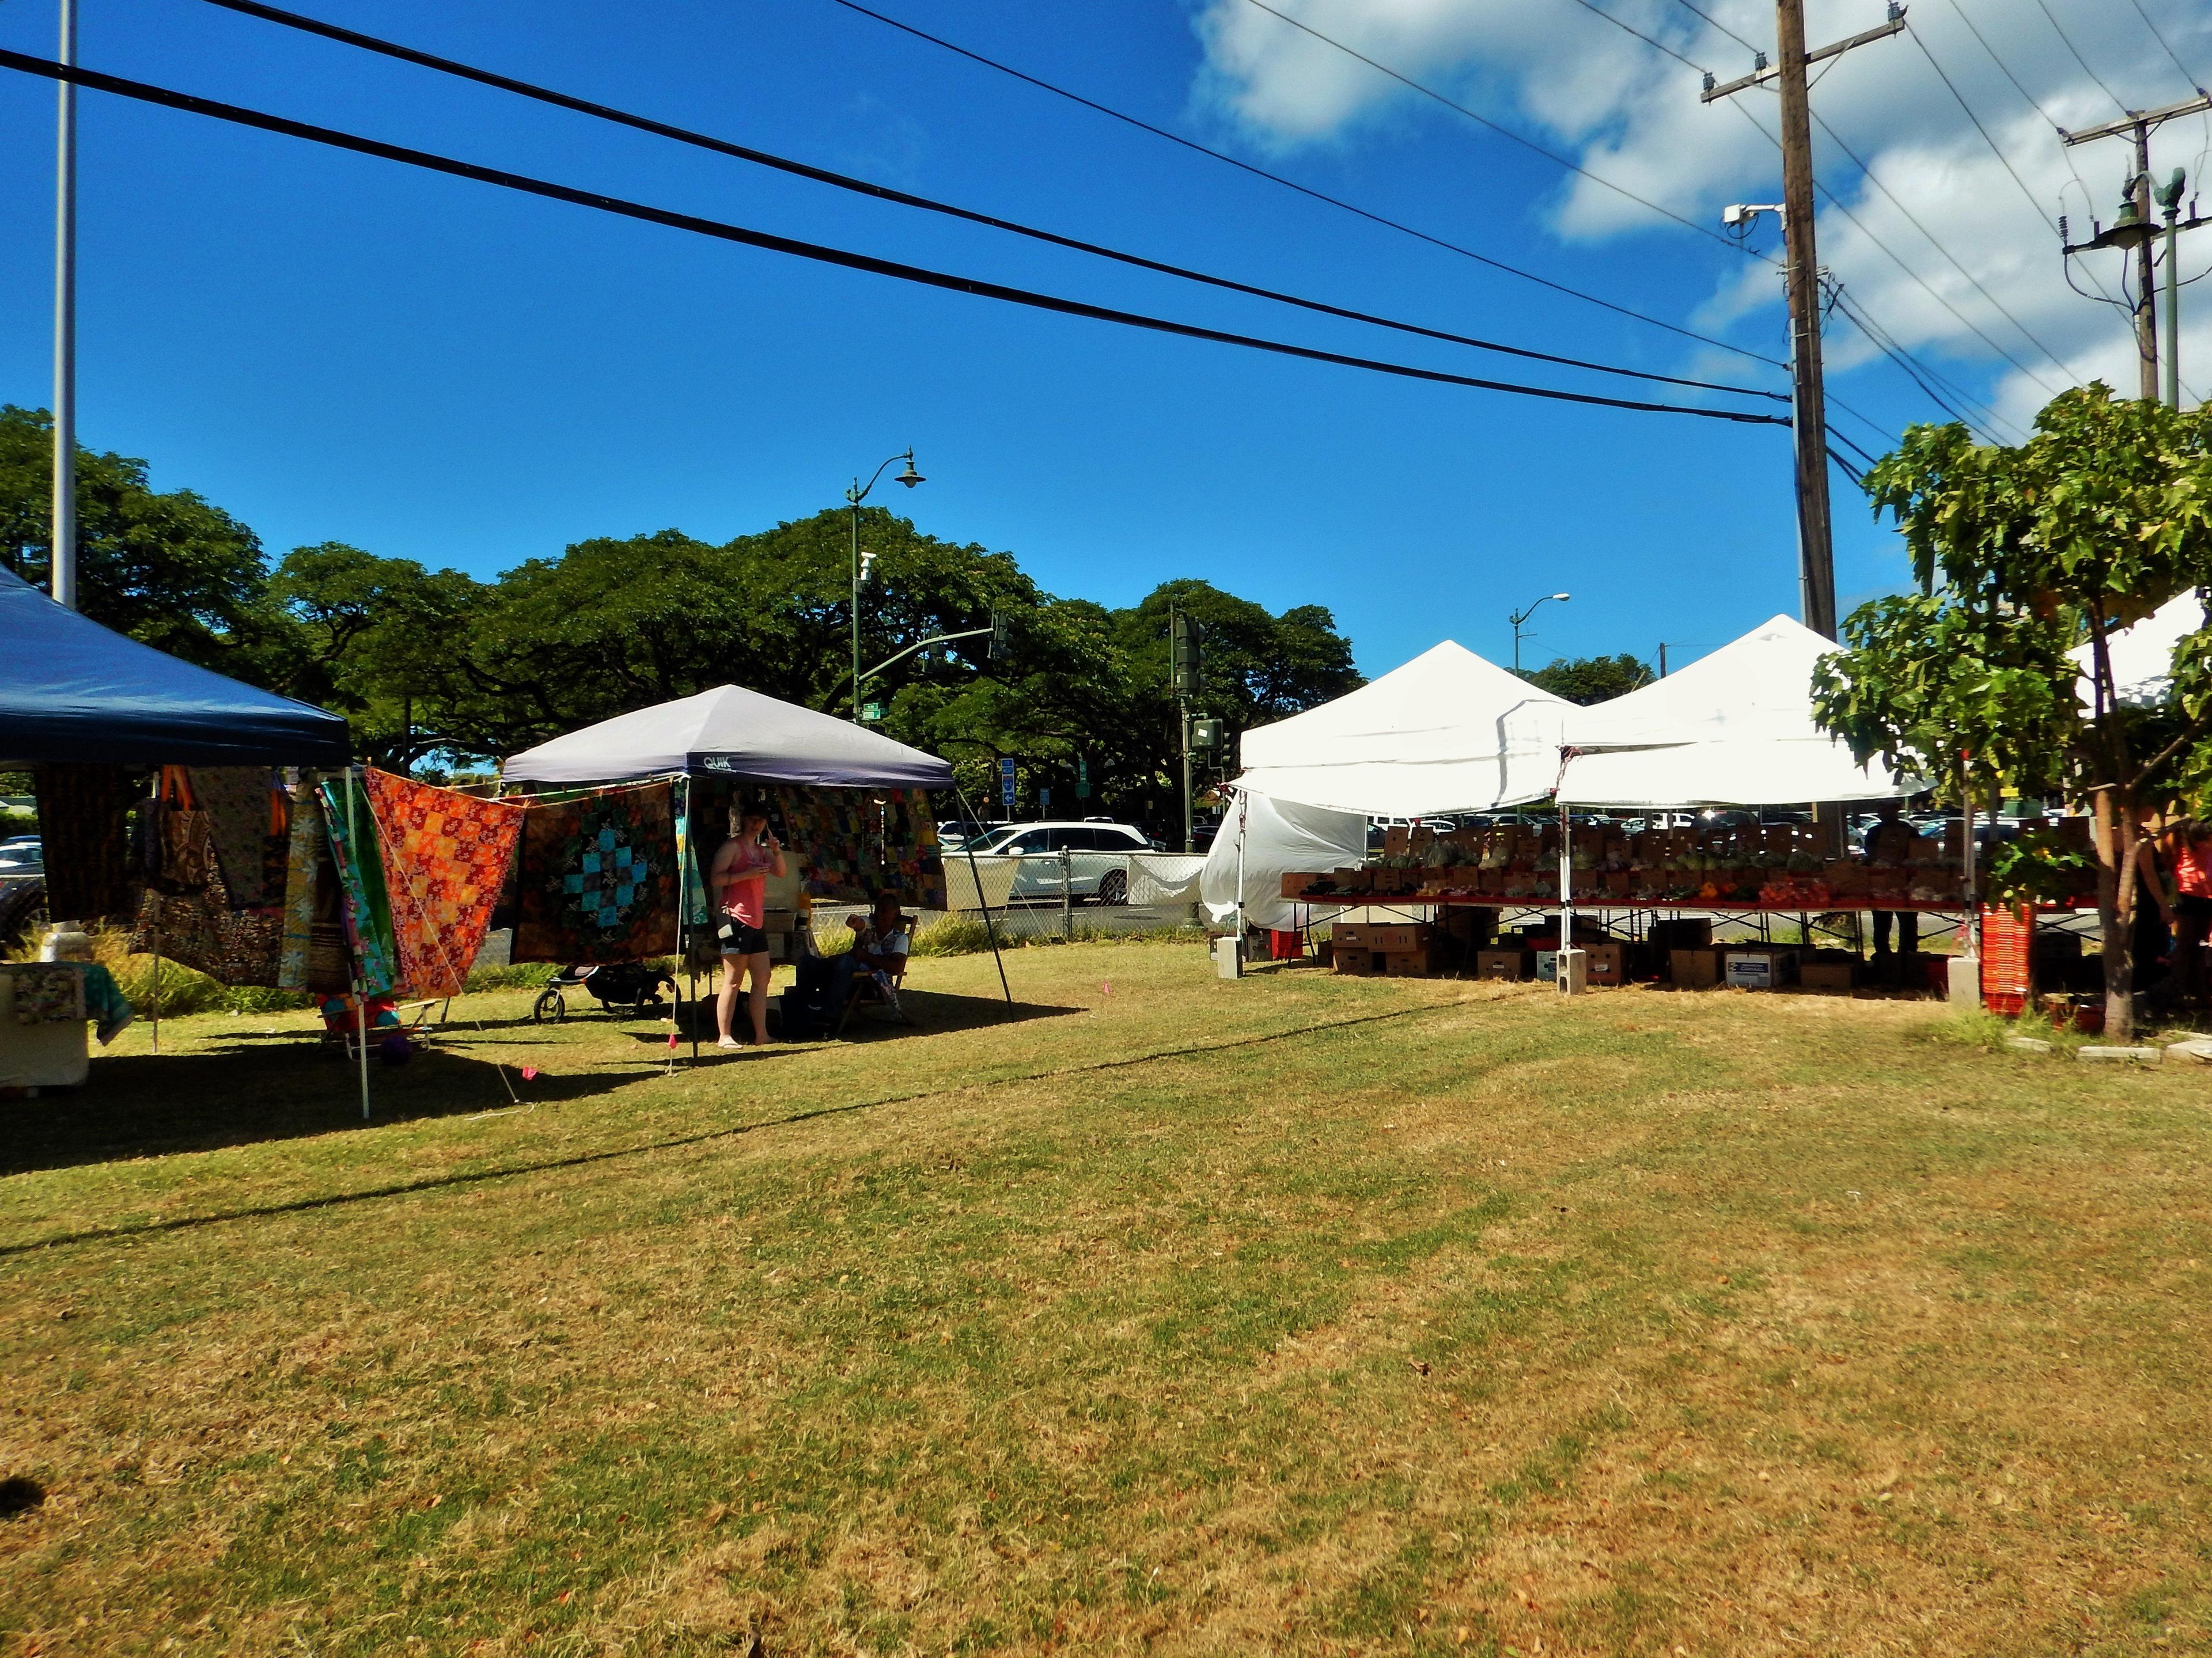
x=337, y=348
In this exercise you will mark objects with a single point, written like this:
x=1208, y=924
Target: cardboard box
x=1547, y=967
x=1760, y=968
x=1409, y=963
x=1828, y=969
x=1695, y=969
x=1385, y=935
x=1295, y=885
x=1354, y=961
x=1682, y=932
x=1501, y=964
x=1608, y=964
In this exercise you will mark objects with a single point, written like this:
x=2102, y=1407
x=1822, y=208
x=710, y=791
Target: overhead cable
x=1890, y=253
x=1949, y=399
x=2167, y=46
x=1868, y=173
x=1717, y=24
x=816, y=252
x=1503, y=132
x=2042, y=6
x=1653, y=41
x=905, y=198
x=1306, y=190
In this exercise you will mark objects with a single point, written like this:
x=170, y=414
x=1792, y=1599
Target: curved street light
x=854, y=495
x=1519, y=617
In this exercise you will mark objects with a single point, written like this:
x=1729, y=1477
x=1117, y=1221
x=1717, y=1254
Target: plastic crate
x=2007, y=945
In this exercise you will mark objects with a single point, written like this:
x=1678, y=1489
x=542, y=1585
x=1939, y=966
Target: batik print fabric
x=600, y=878
x=312, y=954
x=361, y=885
x=445, y=859
x=236, y=799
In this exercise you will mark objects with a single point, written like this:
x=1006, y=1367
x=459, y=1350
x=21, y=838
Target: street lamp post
x=1520, y=617
x=854, y=496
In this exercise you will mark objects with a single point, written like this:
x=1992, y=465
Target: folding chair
x=869, y=991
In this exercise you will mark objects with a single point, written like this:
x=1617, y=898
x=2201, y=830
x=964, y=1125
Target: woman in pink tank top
x=739, y=880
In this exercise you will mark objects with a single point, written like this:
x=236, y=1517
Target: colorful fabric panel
x=83, y=812
x=600, y=878
x=445, y=859
x=361, y=884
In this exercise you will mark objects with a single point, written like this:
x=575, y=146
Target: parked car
x=22, y=856
x=1089, y=876
x=956, y=833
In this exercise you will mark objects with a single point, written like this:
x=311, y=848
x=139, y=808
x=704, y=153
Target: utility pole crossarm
x=2125, y=126
x=1865, y=37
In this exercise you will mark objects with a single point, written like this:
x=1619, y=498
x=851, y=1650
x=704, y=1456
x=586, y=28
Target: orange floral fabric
x=446, y=855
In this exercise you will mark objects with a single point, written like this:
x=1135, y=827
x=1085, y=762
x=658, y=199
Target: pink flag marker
x=530, y=1073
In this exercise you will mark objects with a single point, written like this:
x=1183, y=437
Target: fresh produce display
x=1776, y=865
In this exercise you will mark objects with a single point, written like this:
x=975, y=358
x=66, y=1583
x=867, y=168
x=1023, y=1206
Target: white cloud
x=1550, y=70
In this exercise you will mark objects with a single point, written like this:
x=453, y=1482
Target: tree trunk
x=2114, y=859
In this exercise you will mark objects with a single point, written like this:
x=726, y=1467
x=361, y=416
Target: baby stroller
x=629, y=990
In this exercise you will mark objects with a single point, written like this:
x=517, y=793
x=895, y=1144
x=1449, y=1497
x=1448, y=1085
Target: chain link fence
x=1062, y=895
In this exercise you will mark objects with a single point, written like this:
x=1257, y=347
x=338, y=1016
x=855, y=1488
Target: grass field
x=1297, y=1313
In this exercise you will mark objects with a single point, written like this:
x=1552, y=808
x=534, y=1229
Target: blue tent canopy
x=71, y=689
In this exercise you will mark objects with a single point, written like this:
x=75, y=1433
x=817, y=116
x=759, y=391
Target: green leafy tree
x=164, y=567
x=2022, y=554
x=1588, y=679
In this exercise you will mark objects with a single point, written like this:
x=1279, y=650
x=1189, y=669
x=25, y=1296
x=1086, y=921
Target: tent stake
x=989, y=931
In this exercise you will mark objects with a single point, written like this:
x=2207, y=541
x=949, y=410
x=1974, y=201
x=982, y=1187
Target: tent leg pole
x=157, y=990
x=360, y=980
x=976, y=875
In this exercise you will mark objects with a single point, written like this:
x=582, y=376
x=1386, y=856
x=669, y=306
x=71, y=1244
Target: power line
x=1891, y=254
x=1867, y=172
x=811, y=250
x=1503, y=132
x=1307, y=190
x=905, y=198
x=1656, y=43
x=1721, y=26
x=2044, y=8
x=1923, y=376
x=2066, y=154
x=2168, y=49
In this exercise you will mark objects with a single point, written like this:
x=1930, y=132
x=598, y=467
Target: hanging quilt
x=202, y=929
x=857, y=843
x=361, y=885
x=600, y=878
x=445, y=859
x=314, y=955
x=236, y=799
x=82, y=812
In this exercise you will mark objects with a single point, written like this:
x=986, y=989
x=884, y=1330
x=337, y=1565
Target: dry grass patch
x=1713, y=1323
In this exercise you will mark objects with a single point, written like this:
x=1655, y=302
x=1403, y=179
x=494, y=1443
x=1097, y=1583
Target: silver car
x=1092, y=869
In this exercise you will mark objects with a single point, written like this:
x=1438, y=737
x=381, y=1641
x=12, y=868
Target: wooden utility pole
x=2135, y=231
x=1816, y=556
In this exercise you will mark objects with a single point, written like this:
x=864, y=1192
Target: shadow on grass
x=144, y=1105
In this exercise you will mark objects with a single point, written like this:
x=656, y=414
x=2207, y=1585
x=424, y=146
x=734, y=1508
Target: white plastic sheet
x=1275, y=838
x=2142, y=656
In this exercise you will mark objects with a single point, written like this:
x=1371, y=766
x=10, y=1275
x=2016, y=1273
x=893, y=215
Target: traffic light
x=1185, y=654
x=1002, y=648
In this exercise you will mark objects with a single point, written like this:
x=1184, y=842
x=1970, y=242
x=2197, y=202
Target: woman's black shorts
x=738, y=939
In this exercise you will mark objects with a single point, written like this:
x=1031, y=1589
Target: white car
x=1103, y=878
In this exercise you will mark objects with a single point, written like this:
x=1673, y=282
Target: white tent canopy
x=737, y=733
x=2142, y=656
x=1447, y=731
x=1735, y=728
x=1268, y=839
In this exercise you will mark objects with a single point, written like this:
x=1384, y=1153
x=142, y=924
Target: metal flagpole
x=62, y=553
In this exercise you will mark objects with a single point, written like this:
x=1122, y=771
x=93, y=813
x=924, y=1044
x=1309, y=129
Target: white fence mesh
x=1071, y=893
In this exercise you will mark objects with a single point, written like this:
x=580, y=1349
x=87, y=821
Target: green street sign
x=871, y=710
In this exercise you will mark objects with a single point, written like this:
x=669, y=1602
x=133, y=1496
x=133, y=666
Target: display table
x=55, y=1052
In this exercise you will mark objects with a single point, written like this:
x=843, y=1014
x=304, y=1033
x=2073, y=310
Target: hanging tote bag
x=183, y=844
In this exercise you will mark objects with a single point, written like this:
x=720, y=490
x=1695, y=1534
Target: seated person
x=882, y=941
